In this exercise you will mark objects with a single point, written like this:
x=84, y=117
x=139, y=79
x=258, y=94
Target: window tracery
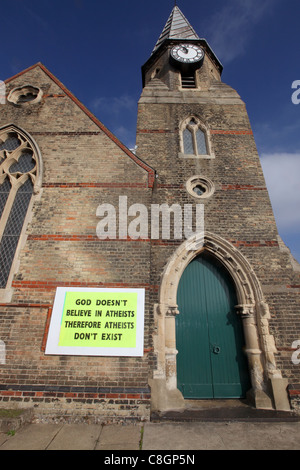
x=194, y=141
x=25, y=94
x=18, y=180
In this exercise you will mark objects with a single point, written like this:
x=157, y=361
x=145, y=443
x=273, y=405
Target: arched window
x=20, y=169
x=194, y=139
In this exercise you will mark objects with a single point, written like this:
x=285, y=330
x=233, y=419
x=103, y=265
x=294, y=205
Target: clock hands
x=187, y=53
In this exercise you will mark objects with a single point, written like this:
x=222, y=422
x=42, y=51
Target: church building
x=135, y=281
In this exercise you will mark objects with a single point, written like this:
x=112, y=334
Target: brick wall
x=84, y=166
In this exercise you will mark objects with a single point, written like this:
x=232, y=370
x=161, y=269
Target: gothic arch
x=26, y=141
x=252, y=307
x=247, y=285
x=192, y=125
x=21, y=171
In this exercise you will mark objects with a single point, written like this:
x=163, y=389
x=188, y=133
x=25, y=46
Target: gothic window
x=194, y=139
x=19, y=170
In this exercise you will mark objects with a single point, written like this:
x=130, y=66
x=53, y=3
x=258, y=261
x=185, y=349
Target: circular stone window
x=25, y=94
x=200, y=187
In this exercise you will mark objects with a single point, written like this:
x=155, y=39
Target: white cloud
x=125, y=135
x=282, y=172
x=114, y=105
x=113, y=112
x=231, y=27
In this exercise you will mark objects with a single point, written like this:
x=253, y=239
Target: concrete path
x=73, y=437
x=155, y=436
x=222, y=436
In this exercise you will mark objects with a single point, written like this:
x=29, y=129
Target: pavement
x=202, y=425
x=155, y=436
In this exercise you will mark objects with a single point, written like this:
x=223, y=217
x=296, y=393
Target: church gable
x=83, y=166
x=40, y=104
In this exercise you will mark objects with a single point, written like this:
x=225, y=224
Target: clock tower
x=194, y=130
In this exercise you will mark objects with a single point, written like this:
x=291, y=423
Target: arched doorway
x=211, y=362
x=251, y=307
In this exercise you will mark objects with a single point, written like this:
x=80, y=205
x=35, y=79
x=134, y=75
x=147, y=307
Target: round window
x=25, y=94
x=200, y=187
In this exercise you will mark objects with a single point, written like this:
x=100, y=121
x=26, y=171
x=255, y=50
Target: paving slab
x=221, y=436
x=120, y=437
x=3, y=438
x=76, y=437
x=32, y=437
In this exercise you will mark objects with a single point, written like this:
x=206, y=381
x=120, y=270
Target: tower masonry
x=195, y=131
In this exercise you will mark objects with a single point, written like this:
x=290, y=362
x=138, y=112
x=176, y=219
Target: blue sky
x=97, y=48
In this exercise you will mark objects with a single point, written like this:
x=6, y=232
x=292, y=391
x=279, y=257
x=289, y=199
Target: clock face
x=187, y=53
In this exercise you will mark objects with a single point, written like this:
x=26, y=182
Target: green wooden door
x=209, y=336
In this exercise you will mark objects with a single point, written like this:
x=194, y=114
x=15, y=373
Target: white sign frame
x=53, y=347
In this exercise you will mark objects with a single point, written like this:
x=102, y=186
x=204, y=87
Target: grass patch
x=10, y=413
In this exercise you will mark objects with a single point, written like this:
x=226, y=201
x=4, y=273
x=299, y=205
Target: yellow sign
x=97, y=322
x=106, y=320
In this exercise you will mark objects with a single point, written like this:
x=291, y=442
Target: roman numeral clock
x=186, y=53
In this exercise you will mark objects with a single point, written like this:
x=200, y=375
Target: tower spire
x=177, y=27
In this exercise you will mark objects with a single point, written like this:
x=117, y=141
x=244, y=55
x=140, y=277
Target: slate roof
x=177, y=27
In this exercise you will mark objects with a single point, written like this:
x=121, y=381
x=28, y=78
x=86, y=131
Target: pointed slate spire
x=177, y=27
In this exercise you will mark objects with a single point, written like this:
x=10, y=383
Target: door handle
x=216, y=349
